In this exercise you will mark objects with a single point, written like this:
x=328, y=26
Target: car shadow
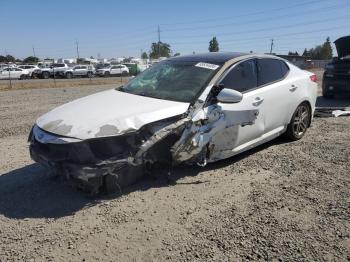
x=337, y=101
x=29, y=192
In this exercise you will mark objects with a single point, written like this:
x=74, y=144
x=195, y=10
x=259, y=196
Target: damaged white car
x=190, y=109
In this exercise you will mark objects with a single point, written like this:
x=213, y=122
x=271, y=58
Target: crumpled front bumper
x=77, y=161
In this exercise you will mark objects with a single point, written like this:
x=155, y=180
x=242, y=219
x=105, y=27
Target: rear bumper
x=336, y=85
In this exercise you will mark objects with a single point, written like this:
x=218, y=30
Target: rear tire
x=89, y=75
x=69, y=75
x=299, y=122
x=22, y=77
x=124, y=73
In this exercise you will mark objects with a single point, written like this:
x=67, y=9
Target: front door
x=244, y=120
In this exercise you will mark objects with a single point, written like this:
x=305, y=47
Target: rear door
x=115, y=70
x=16, y=72
x=275, y=94
x=79, y=71
x=83, y=70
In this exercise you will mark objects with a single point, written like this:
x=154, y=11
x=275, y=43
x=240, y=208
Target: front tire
x=107, y=74
x=299, y=122
x=45, y=75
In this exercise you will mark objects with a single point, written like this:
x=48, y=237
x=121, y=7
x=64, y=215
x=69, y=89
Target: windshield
x=172, y=80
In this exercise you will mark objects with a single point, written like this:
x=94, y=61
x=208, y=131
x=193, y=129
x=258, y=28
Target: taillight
x=313, y=78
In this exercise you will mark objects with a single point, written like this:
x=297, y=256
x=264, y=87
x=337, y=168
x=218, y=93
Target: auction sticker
x=207, y=66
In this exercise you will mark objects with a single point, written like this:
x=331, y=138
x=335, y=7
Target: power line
x=320, y=21
x=248, y=14
x=280, y=35
x=300, y=13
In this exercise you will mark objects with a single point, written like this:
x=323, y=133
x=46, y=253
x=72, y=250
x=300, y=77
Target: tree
x=31, y=60
x=293, y=53
x=144, y=55
x=322, y=52
x=327, y=52
x=306, y=52
x=160, y=49
x=177, y=54
x=7, y=59
x=213, y=45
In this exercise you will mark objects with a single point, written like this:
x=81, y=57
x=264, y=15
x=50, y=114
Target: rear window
x=271, y=70
x=58, y=65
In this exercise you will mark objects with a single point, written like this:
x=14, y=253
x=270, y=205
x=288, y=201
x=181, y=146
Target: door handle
x=258, y=101
x=293, y=88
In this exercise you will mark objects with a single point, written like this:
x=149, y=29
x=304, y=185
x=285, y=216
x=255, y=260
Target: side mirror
x=229, y=96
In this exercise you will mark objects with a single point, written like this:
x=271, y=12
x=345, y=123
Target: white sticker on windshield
x=207, y=66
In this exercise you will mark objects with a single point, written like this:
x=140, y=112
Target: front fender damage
x=116, y=162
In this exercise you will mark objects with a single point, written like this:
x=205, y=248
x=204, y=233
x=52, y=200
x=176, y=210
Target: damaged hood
x=107, y=113
x=343, y=46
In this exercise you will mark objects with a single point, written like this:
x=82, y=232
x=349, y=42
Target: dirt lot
x=59, y=82
x=282, y=201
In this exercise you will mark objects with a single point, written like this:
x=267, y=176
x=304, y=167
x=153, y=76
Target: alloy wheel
x=301, y=120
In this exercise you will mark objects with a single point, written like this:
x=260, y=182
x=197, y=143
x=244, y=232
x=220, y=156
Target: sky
x=108, y=28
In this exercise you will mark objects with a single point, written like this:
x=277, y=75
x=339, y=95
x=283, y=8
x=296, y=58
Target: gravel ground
x=287, y=201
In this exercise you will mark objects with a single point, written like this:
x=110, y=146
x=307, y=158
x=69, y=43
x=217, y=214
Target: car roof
x=218, y=57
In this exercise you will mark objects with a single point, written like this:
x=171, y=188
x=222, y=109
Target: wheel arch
x=308, y=103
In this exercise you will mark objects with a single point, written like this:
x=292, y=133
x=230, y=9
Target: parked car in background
x=102, y=65
x=80, y=71
x=336, y=78
x=14, y=73
x=134, y=68
x=113, y=70
x=30, y=69
x=188, y=109
x=58, y=69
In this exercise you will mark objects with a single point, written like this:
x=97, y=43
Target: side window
x=285, y=68
x=242, y=77
x=271, y=70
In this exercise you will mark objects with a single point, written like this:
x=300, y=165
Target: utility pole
x=158, y=41
x=271, y=46
x=34, y=51
x=77, y=44
x=8, y=68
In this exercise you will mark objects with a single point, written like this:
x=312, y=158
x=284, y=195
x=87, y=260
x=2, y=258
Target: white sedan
x=14, y=73
x=191, y=109
x=30, y=69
